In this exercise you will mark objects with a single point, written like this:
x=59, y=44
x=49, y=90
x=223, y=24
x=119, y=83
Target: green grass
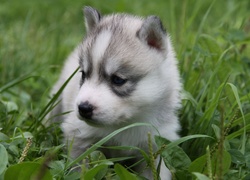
x=212, y=41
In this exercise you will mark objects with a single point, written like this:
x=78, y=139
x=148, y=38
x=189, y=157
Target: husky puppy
x=127, y=73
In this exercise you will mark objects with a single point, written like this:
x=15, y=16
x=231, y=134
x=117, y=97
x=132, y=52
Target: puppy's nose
x=85, y=109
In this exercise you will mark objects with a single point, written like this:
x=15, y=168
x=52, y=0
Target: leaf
x=27, y=171
x=200, y=164
x=175, y=158
x=96, y=156
x=232, y=175
x=182, y=175
x=123, y=173
x=3, y=137
x=4, y=159
x=10, y=106
x=25, y=135
x=14, y=149
x=200, y=176
x=72, y=176
x=99, y=166
x=216, y=131
x=237, y=156
x=57, y=167
x=96, y=172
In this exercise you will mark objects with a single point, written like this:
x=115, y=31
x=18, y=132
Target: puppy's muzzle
x=85, y=110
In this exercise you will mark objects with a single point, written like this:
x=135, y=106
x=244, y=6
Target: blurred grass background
x=211, y=39
x=36, y=36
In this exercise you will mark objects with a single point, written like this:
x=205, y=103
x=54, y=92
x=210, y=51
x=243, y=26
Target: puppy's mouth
x=90, y=120
x=93, y=122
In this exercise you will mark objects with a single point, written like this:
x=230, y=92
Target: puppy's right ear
x=92, y=17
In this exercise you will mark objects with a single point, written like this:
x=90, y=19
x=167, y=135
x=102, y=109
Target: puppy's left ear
x=153, y=33
x=92, y=17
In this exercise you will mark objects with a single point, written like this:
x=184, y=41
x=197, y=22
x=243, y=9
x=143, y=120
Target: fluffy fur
x=128, y=73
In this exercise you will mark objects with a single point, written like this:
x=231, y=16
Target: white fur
x=100, y=46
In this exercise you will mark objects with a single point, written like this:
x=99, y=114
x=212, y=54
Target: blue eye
x=118, y=81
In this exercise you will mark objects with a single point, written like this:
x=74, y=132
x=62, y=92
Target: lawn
x=212, y=43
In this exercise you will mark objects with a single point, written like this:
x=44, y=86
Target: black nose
x=85, y=109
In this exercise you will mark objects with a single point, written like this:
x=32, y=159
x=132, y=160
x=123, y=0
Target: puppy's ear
x=92, y=17
x=153, y=33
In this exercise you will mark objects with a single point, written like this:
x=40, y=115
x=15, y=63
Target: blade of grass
x=237, y=98
x=45, y=110
x=15, y=82
x=186, y=138
x=218, y=65
x=202, y=23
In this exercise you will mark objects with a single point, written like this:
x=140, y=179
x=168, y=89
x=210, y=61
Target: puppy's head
x=124, y=66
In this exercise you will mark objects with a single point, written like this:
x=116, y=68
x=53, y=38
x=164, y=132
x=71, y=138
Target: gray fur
x=92, y=17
